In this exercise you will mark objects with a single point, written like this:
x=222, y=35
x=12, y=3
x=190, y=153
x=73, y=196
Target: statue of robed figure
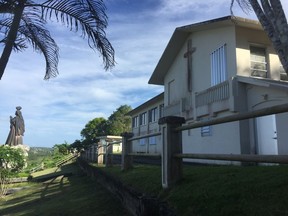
x=17, y=129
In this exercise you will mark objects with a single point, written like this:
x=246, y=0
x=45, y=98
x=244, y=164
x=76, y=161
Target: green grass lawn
x=72, y=195
x=217, y=190
x=204, y=191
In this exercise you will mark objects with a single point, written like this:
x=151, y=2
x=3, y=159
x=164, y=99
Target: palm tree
x=23, y=22
x=272, y=17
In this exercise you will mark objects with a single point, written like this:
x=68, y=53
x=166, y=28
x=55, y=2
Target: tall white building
x=213, y=69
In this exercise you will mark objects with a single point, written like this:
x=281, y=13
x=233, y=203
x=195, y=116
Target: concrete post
x=109, y=152
x=171, y=144
x=101, y=150
x=93, y=153
x=126, y=160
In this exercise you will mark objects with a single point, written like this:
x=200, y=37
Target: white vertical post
x=101, y=151
x=109, y=152
x=171, y=144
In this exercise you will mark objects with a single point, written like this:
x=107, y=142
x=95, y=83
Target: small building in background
x=145, y=121
x=97, y=152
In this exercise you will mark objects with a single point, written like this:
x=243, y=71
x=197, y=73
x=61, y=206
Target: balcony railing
x=173, y=109
x=213, y=94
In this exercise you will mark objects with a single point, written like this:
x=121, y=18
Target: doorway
x=266, y=135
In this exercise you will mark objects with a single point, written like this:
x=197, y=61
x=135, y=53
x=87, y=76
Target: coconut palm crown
x=22, y=22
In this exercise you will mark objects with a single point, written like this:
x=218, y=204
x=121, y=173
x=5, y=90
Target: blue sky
x=57, y=110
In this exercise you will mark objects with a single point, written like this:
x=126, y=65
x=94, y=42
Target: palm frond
x=243, y=4
x=87, y=16
x=34, y=32
x=5, y=24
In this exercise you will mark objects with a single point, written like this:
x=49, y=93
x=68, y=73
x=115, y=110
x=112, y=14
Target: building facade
x=218, y=68
x=145, y=121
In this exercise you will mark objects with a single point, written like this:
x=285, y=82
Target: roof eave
x=172, y=49
x=153, y=100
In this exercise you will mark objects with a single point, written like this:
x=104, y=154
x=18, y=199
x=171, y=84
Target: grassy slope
x=219, y=190
x=73, y=195
x=205, y=190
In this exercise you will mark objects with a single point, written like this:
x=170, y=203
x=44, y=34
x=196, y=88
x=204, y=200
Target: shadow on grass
x=74, y=194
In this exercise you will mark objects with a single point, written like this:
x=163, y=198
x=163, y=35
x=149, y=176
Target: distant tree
x=62, y=148
x=93, y=129
x=271, y=15
x=23, y=21
x=119, y=122
x=78, y=145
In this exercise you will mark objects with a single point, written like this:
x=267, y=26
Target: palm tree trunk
x=276, y=28
x=11, y=37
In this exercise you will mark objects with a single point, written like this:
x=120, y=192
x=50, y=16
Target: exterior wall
x=224, y=139
x=144, y=145
x=247, y=37
x=264, y=96
x=205, y=43
x=282, y=135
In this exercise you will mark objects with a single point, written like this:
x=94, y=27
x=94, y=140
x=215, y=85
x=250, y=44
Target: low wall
x=136, y=203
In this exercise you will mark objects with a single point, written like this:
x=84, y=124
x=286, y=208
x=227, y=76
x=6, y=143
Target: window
x=153, y=114
x=152, y=140
x=143, y=118
x=135, y=121
x=161, y=110
x=142, y=141
x=258, y=63
x=206, y=131
x=218, y=65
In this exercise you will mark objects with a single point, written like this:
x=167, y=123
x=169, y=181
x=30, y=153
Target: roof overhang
x=109, y=138
x=263, y=82
x=148, y=103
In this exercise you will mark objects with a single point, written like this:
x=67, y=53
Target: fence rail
x=279, y=159
x=37, y=168
x=66, y=159
x=144, y=136
x=237, y=117
x=144, y=154
x=172, y=155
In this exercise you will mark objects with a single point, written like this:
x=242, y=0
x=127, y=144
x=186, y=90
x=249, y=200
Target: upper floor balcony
x=209, y=102
x=216, y=99
x=238, y=94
